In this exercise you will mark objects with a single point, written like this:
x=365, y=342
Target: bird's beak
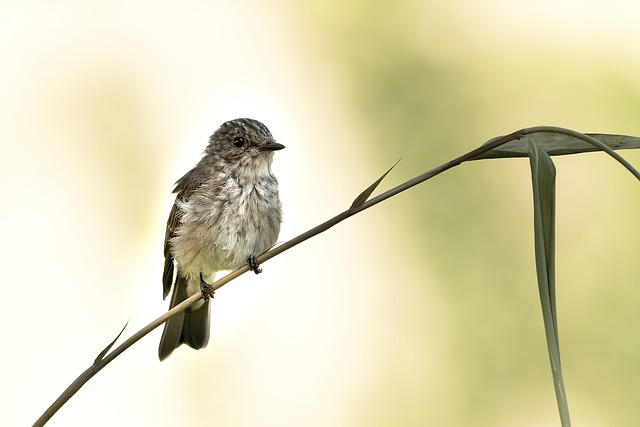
x=271, y=146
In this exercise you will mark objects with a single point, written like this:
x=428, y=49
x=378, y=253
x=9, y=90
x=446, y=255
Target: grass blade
x=364, y=196
x=543, y=175
x=557, y=143
x=107, y=348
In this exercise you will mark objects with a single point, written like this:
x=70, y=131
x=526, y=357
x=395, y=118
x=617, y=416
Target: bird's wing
x=185, y=187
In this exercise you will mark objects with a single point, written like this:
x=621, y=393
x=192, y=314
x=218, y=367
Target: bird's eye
x=238, y=141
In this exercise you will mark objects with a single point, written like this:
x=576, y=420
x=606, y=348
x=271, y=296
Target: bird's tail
x=190, y=326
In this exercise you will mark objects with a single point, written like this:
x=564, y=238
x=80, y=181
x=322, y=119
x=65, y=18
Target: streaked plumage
x=227, y=209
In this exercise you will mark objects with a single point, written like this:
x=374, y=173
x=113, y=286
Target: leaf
x=107, y=348
x=558, y=144
x=543, y=175
x=364, y=196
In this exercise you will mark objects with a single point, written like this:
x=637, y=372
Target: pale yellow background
x=421, y=311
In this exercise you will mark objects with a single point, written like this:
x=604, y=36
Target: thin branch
x=101, y=363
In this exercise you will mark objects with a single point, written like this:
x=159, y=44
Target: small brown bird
x=227, y=211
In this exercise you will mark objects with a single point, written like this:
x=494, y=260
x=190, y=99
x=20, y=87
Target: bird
x=226, y=212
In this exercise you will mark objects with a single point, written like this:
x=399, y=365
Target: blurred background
x=421, y=311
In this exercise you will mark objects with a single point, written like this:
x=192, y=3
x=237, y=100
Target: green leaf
x=543, y=176
x=558, y=144
x=364, y=196
x=107, y=348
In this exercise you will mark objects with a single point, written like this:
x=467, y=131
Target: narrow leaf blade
x=558, y=144
x=107, y=348
x=543, y=176
x=364, y=196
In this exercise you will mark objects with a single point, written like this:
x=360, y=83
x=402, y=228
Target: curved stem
x=101, y=363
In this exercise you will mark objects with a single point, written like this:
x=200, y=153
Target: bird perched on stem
x=227, y=211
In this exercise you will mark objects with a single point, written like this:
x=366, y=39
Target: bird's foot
x=206, y=289
x=254, y=265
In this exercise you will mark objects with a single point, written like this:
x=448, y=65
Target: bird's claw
x=206, y=289
x=254, y=265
